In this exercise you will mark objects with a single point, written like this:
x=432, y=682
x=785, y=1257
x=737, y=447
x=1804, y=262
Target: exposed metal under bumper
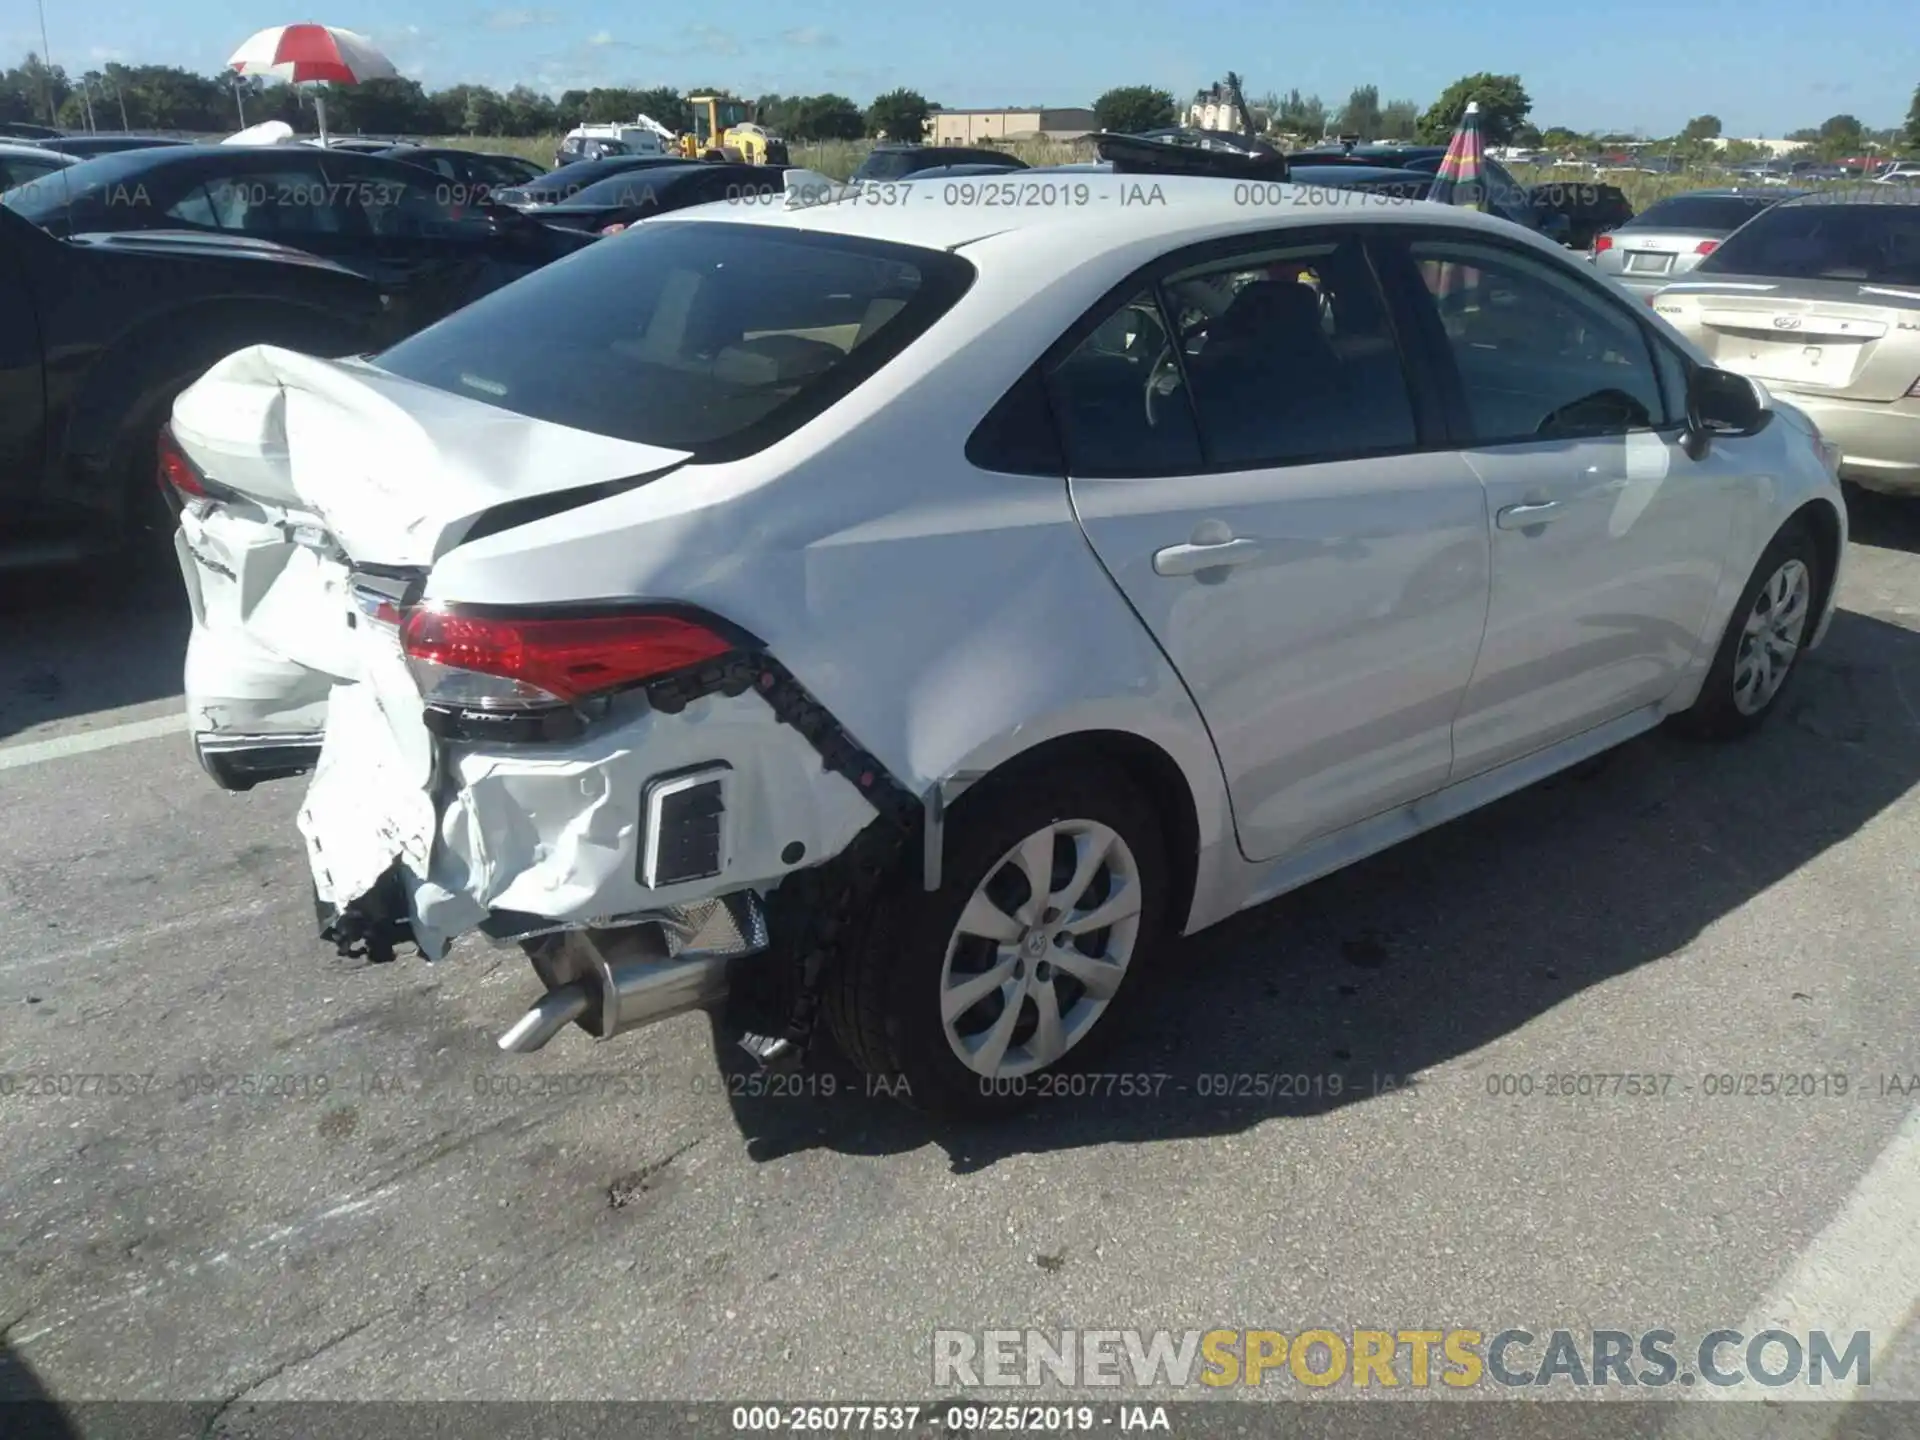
x=611, y=981
x=240, y=762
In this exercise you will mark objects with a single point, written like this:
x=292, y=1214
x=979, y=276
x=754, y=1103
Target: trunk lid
x=1836, y=337
x=394, y=472
x=1654, y=253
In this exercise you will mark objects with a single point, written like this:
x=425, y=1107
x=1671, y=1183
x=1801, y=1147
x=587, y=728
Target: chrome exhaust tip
x=551, y=1014
x=614, y=980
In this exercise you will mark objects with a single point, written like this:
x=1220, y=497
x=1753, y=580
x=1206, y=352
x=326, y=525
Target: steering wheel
x=1163, y=376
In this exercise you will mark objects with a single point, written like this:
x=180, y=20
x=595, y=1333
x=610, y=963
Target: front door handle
x=1191, y=559
x=1525, y=517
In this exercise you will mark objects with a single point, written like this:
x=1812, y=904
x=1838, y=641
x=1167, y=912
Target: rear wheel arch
x=1147, y=765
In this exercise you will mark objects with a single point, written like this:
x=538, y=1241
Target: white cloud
x=806, y=37
x=518, y=19
x=106, y=53
x=711, y=40
x=602, y=40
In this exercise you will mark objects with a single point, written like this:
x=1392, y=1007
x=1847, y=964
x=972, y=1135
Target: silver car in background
x=1819, y=299
x=1672, y=236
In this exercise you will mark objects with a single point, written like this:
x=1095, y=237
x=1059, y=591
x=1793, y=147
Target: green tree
x=1743, y=152
x=1558, y=138
x=899, y=115
x=826, y=117
x=1504, y=105
x=1399, y=120
x=1129, y=109
x=482, y=111
x=1302, y=115
x=1701, y=127
x=1362, y=115
x=1912, y=135
x=666, y=105
x=1840, y=135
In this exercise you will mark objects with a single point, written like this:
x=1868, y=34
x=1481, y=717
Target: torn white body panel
x=395, y=471
x=559, y=831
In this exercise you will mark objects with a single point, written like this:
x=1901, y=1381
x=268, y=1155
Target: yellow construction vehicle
x=724, y=129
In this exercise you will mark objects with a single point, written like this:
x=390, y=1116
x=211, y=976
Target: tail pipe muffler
x=619, y=978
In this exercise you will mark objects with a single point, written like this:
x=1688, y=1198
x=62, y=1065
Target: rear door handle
x=1525, y=517
x=1190, y=559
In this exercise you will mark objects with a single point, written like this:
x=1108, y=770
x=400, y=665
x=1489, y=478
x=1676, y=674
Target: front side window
x=1539, y=356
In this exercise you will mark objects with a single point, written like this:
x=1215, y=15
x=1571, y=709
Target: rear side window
x=1289, y=358
x=711, y=337
x=1119, y=398
x=1875, y=244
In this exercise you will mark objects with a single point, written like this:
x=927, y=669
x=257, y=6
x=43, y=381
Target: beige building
x=967, y=127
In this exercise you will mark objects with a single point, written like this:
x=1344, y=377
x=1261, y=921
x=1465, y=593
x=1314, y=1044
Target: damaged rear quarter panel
x=948, y=617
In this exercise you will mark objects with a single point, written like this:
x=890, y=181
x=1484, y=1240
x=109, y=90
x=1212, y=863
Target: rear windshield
x=89, y=188
x=714, y=337
x=1700, y=212
x=1877, y=244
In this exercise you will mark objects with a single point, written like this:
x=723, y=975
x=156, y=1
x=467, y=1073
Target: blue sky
x=1763, y=66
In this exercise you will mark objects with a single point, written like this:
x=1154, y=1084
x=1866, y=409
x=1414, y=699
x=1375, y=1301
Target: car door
x=1264, y=479
x=1607, y=539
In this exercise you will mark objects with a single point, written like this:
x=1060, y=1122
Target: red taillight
x=1706, y=247
x=1602, y=242
x=176, y=469
x=518, y=660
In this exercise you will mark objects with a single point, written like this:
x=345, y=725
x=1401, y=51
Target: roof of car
x=1859, y=195
x=27, y=147
x=1119, y=210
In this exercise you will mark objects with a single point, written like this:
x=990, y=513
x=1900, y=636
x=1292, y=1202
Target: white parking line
x=62, y=746
x=1862, y=1272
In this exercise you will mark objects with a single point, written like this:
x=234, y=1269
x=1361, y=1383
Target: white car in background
x=913, y=615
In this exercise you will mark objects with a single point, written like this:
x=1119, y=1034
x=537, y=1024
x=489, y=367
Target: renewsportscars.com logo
x=1453, y=1357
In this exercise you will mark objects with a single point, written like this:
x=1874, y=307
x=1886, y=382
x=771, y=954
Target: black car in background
x=1590, y=207
x=97, y=337
x=470, y=176
x=376, y=216
x=88, y=146
x=621, y=200
x=569, y=180
x=898, y=162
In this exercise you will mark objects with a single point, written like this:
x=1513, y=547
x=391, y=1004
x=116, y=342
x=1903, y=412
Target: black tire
x=882, y=991
x=1717, y=714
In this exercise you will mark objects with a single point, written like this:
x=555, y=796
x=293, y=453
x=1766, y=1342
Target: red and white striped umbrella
x=306, y=53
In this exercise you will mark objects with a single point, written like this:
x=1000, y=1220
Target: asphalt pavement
x=235, y=1168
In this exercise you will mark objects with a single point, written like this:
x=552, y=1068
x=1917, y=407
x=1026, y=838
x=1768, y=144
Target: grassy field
x=837, y=158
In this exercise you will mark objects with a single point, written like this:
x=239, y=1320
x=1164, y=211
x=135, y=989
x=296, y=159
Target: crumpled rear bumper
x=515, y=840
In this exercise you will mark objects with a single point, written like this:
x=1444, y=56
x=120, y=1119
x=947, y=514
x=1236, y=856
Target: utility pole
x=46, y=69
x=86, y=99
x=120, y=92
x=239, y=100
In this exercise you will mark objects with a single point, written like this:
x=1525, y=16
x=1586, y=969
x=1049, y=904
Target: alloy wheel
x=1771, y=638
x=1041, y=948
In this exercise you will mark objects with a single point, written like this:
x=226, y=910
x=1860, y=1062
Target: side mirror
x=1719, y=402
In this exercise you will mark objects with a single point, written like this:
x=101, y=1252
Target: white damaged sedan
x=903, y=615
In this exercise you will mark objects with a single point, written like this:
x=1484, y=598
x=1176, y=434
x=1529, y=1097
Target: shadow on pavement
x=1438, y=947
x=27, y=1410
x=82, y=641
x=1890, y=522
